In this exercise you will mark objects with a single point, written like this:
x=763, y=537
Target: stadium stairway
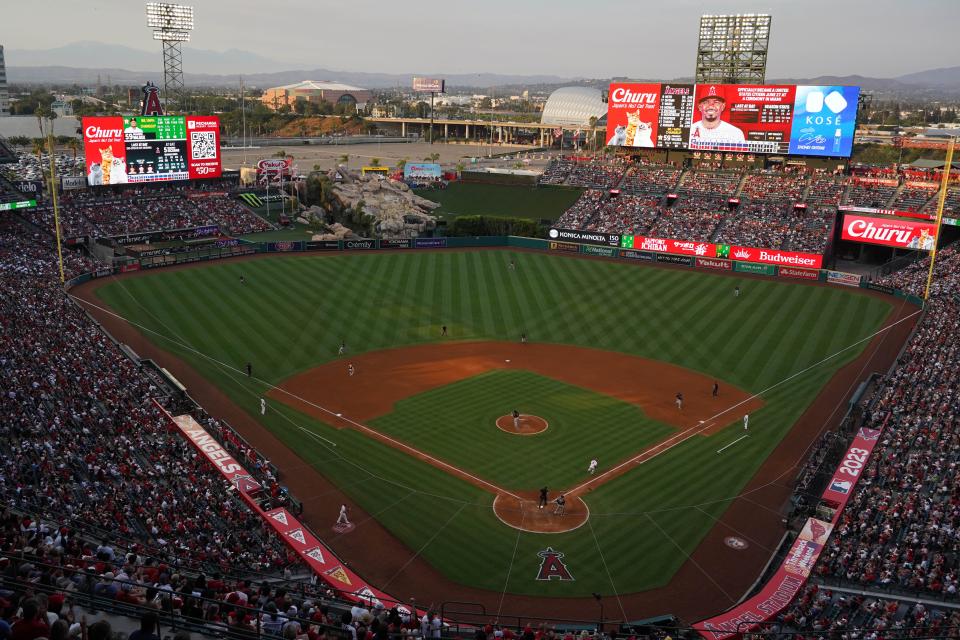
x=845, y=196
x=740, y=185
x=896, y=194
x=806, y=189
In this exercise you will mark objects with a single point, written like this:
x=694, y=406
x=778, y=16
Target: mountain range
x=92, y=62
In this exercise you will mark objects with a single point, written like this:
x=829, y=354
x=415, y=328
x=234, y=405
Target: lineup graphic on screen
x=138, y=149
x=803, y=120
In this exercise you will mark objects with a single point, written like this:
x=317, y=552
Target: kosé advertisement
x=890, y=232
x=824, y=120
x=104, y=150
x=632, y=115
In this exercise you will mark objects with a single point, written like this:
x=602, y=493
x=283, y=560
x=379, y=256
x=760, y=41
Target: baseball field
x=416, y=439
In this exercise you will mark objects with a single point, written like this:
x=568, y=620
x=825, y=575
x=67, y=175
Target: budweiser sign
x=778, y=257
x=890, y=232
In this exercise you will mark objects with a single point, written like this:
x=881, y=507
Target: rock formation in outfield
x=383, y=208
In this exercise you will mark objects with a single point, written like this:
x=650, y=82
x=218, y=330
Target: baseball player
x=263, y=406
x=736, y=291
x=516, y=419
x=351, y=370
x=513, y=265
x=523, y=338
x=561, y=502
x=679, y=400
x=342, y=518
x=746, y=422
x=716, y=389
x=343, y=347
x=443, y=331
x=593, y=466
x=543, y=498
x=249, y=370
x=242, y=280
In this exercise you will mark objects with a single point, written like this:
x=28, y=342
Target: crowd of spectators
x=650, y=180
x=757, y=224
x=85, y=213
x=774, y=185
x=710, y=183
x=826, y=190
x=598, y=173
x=810, y=230
x=690, y=219
x=865, y=194
x=913, y=278
x=581, y=212
x=912, y=199
x=950, y=204
x=557, y=171
x=633, y=215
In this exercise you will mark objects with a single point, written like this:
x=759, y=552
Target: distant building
x=4, y=95
x=316, y=91
x=574, y=106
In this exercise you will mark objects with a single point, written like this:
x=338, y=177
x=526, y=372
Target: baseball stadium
x=698, y=384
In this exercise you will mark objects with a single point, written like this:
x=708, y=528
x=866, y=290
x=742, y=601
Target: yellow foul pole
x=53, y=194
x=944, y=184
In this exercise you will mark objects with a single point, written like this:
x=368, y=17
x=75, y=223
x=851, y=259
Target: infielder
x=593, y=466
x=351, y=370
x=679, y=401
x=716, y=389
x=746, y=422
x=343, y=347
x=516, y=419
x=342, y=519
x=263, y=406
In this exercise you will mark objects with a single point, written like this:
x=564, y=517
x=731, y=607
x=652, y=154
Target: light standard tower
x=172, y=24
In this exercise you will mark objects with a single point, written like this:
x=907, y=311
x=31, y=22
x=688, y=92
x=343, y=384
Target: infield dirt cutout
x=382, y=378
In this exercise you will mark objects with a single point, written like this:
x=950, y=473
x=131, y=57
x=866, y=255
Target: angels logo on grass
x=338, y=574
x=552, y=566
x=297, y=534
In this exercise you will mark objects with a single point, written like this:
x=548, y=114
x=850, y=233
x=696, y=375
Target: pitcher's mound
x=525, y=514
x=528, y=426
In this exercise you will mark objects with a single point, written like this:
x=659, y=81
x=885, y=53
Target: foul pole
x=944, y=184
x=53, y=194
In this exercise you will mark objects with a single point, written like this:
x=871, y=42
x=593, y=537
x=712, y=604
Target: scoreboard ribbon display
x=151, y=149
x=802, y=120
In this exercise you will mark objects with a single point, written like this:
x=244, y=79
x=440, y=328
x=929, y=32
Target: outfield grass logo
x=552, y=566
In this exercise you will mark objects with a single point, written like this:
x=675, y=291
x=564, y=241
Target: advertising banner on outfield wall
x=395, y=243
x=889, y=232
x=359, y=245
x=759, y=269
x=846, y=279
x=686, y=261
x=726, y=251
x=585, y=237
x=777, y=257
x=803, y=274
x=606, y=252
x=565, y=246
x=781, y=589
x=323, y=245
x=714, y=263
x=430, y=243
x=637, y=255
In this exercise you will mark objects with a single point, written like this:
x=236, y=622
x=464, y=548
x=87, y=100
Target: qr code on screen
x=203, y=145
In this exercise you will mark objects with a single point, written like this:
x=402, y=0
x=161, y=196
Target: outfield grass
x=464, y=198
x=294, y=310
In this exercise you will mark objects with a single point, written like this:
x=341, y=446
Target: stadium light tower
x=172, y=24
x=733, y=49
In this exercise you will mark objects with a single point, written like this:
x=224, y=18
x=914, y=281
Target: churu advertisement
x=802, y=120
x=139, y=149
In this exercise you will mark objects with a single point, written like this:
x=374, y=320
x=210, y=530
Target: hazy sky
x=593, y=38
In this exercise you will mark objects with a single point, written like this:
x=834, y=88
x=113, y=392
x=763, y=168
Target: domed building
x=574, y=106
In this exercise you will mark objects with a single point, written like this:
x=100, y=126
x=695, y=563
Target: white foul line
x=731, y=444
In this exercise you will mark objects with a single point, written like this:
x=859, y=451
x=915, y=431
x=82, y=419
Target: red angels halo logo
x=552, y=566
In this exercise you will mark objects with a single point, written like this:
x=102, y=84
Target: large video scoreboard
x=138, y=149
x=784, y=119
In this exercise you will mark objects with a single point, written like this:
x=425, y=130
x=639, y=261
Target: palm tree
x=375, y=162
x=344, y=159
x=401, y=163
x=38, y=146
x=74, y=145
x=593, y=132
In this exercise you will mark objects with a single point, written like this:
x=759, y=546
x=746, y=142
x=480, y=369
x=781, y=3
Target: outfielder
x=746, y=422
x=343, y=347
x=593, y=466
x=263, y=406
